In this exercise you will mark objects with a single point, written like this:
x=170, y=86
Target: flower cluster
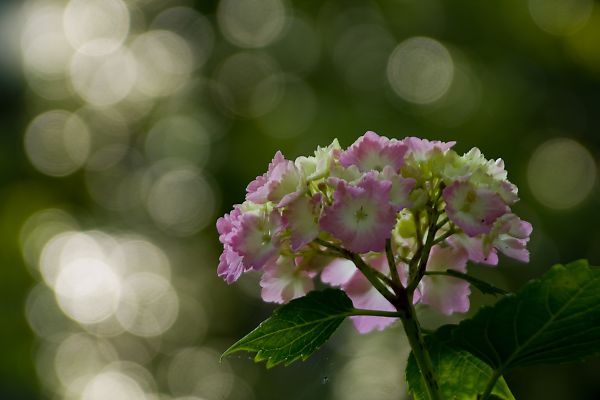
x=428, y=207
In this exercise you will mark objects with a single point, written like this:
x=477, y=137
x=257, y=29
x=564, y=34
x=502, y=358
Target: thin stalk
x=383, y=277
x=422, y=255
x=441, y=223
x=392, y=264
x=414, y=261
x=444, y=236
x=342, y=252
x=368, y=273
x=417, y=219
x=403, y=259
x=375, y=313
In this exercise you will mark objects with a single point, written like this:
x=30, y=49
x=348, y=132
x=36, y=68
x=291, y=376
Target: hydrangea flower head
x=401, y=211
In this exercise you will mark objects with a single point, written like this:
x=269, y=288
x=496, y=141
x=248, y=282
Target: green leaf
x=484, y=287
x=460, y=375
x=295, y=330
x=551, y=320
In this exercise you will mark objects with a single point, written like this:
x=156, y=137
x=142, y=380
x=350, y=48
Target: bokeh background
x=128, y=126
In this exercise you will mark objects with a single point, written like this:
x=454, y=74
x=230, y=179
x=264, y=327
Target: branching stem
x=444, y=236
x=371, y=274
x=401, y=298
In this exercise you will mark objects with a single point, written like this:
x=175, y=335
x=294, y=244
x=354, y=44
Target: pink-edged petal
x=518, y=228
x=374, y=152
x=287, y=186
x=400, y=192
x=513, y=248
x=510, y=236
x=508, y=192
x=257, y=239
x=231, y=266
x=227, y=224
x=301, y=216
x=289, y=198
x=338, y=173
x=258, y=190
x=474, y=210
x=338, y=272
x=284, y=281
x=446, y=294
x=442, y=258
x=361, y=216
x=281, y=180
x=421, y=149
x=475, y=249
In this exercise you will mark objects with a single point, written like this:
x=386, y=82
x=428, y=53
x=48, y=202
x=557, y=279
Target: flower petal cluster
x=305, y=218
x=361, y=215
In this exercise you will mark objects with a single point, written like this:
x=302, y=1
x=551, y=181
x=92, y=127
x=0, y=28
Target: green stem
x=417, y=219
x=375, y=313
x=401, y=299
x=342, y=252
x=444, y=236
x=383, y=277
x=441, y=224
x=419, y=350
x=490, y=385
x=392, y=263
x=422, y=254
x=367, y=271
x=372, y=277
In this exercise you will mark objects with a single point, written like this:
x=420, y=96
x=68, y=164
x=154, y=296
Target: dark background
x=154, y=145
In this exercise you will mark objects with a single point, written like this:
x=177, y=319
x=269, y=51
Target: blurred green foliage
x=521, y=73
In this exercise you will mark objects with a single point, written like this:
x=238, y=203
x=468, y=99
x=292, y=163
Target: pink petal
x=301, y=216
x=510, y=235
x=371, y=300
x=400, y=193
x=227, y=224
x=519, y=229
x=361, y=216
x=374, y=152
x=231, y=266
x=284, y=281
x=281, y=180
x=513, y=248
x=287, y=186
x=338, y=272
x=258, y=190
x=420, y=149
x=257, y=239
x=475, y=249
x=446, y=294
x=365, y=296
x=474, y=210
